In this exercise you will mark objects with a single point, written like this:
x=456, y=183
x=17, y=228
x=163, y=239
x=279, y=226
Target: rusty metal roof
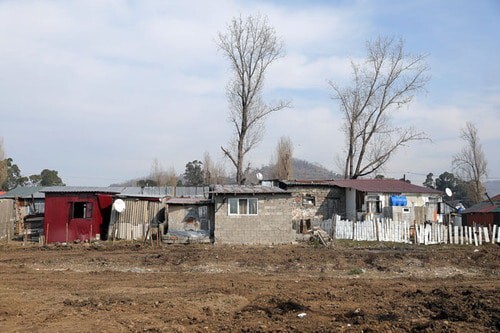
x=245, y=189
x=187, y=201
x=483, y=207
x=383, y=186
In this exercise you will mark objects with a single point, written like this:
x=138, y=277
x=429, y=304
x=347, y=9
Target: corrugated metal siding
x=133, y=223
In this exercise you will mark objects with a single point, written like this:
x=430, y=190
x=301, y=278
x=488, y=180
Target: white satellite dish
x=259, y=176
x=448, y=192
x=119, y=205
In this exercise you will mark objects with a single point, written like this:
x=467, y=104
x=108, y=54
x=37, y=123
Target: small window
x=243, y=206
x=82, y=210
x=308, y=200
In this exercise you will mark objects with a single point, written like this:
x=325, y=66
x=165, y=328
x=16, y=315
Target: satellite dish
x=448, y=192
x=119, y=205
x=259, y=176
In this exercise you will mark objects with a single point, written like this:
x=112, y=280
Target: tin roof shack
x=313, y=201
x=145, y=208
x=484, y=213
x=390, y=198
x=189, y=220
x=18, y=204
x=143, y=211
x=252, y=214
x=77, y=213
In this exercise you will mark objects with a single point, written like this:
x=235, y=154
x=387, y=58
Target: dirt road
x=361, y=287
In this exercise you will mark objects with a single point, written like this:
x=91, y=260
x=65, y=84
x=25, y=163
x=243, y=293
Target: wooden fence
x=387, y=230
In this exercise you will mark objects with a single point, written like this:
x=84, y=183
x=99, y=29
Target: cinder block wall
x=272, y=224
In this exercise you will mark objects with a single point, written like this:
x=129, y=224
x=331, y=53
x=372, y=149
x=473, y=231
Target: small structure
x=484, y=213
x=17, y=205
x=390, y=198
x=77, y=213
x=252, y=214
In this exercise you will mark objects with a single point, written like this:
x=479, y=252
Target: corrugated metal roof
x=25, y=192
x=296, y=182
x=383, y=186
x=246, y=189
x=483, y=207
x=82, y=189
x=187, y=201
x=165, y=191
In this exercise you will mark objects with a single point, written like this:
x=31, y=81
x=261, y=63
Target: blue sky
x=98, y=89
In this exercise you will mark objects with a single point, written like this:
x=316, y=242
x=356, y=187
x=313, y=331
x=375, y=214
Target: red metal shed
x=77, y=213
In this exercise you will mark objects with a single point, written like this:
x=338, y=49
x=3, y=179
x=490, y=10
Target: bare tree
x=213, y=173
x=250, y=45
x=3, y=164
x=171, y=178
x=387, y=80
x=470, y=163
x=283, y=165
x=157, y=174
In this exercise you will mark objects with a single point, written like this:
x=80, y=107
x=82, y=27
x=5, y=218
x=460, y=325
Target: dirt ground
x=353, y=287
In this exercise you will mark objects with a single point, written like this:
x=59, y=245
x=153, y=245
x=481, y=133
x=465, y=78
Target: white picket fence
x=387, y=230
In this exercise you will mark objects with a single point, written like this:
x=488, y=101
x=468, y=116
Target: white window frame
x=237, y=200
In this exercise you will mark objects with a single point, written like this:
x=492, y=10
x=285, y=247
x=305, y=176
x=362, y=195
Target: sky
x=97, y=89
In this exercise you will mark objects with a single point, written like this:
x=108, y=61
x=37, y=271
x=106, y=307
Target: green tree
x=455, y=184
x=14, y=177
x=50, y=178
x=429, y=181
x=193, y=174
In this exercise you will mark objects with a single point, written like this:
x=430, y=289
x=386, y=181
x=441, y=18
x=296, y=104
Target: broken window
x=308, y=200
x=82, y=210
x=243, y=206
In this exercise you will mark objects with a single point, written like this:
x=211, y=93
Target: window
x=308, y=200
x=82, y=210
x=243, y=206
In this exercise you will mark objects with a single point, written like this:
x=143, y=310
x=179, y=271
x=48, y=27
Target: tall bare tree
x=387, y=80
x=470, y=163
x=170, y=177
x=157, y=174
x=3, y=164
x=213, y=173
x=250, y=45
x=284, y=154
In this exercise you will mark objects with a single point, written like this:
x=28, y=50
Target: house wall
x=58, y=217
x=484, y=219
x=417, y=210
x=188, y=217
x=327, y=201
x=272, y=224
x=350, y=197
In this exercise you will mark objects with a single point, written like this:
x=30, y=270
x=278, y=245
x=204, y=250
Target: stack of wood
x=321, y=236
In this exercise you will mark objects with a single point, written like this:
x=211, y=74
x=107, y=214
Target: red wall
x=58, y=217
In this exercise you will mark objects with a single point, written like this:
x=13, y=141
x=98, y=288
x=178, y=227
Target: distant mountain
x=303, y=170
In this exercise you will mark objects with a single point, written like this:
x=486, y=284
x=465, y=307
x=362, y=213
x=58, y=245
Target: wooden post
x=90, y=238
x=47, y=237
x=494, y=232
x=486, y=235
x=67, y=232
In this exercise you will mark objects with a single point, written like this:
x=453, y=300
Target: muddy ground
x=353, y=287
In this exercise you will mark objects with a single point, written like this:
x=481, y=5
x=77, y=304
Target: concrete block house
x=251, y=214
